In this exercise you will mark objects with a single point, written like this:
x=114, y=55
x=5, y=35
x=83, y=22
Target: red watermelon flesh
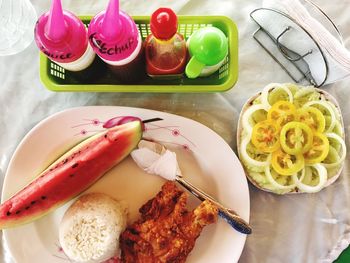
x=71, y=174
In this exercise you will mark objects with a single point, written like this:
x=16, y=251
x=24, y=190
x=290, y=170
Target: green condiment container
x=208, y=48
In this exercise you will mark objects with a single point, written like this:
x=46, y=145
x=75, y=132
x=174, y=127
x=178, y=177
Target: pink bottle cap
x=114, y=36
x=61, y=35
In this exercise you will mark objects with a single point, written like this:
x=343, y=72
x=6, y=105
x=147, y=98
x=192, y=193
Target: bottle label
x=56, y=56
x=124, y=49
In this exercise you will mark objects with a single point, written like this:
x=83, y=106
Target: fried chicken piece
x=167, y=231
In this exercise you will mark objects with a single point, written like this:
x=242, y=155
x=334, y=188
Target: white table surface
x=303, y=228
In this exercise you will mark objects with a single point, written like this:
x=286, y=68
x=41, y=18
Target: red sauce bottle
x=165, y=49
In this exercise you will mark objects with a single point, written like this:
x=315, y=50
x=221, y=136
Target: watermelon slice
x=71, y=174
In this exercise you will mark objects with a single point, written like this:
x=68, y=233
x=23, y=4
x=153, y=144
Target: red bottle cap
x=163, y=23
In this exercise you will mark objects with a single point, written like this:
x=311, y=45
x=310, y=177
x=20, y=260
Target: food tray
x=56, y=78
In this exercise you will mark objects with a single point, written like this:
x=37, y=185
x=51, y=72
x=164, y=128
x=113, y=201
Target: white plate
x=204, y=157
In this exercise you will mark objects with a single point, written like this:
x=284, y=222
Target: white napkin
x=337, y=56
x=156, y=159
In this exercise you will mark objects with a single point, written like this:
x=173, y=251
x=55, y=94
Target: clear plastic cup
x=17, y=21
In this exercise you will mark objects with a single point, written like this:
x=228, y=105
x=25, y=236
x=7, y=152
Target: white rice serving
x=90, y=229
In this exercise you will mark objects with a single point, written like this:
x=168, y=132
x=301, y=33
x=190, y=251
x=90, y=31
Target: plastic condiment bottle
x=166, y=51
x=116, y=40
x=208, y=48
x=63, y=38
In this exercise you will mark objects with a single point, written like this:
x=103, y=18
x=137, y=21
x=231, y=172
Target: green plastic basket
x=56, y=78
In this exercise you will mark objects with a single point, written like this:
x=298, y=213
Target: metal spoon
x=229, y=215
